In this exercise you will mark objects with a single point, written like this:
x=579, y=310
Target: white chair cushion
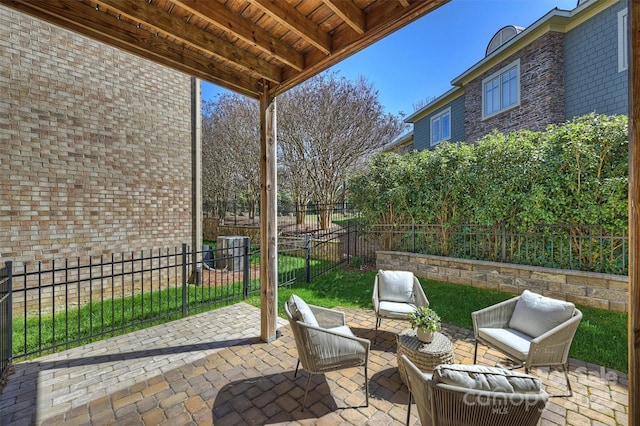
x=479, y=377
x=301, y=311
x=395, y=309
x=535, y=314
x=512, y=342
x=395, y=286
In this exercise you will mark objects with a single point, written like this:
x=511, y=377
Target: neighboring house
x=566, y=64
x=95, y=147
x=401, y=145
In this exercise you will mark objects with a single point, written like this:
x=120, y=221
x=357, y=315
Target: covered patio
x=227, y=366
x=213, y=368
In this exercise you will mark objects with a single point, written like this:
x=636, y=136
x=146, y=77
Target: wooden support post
x=268, y=216
x=634, y=212
x=196, y=176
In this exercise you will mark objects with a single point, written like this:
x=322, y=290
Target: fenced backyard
x=51, y=306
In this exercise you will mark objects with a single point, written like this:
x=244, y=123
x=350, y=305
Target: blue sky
x=420, y=60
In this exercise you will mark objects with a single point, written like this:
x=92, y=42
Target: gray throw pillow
x=301, y=311
x=535, y=314
x=395, y=286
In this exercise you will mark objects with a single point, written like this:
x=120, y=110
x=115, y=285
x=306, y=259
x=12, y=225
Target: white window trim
x=623, y=44
x=437, y=117
x=501, y=71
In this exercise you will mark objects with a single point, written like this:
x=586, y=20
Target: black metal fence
x=5, y=318
x=50, y=306
x=586, y=248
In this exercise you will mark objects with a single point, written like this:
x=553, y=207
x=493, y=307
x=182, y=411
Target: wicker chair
x=396, y=294
x=531, y=329
x=471, y=402
x=324, y=342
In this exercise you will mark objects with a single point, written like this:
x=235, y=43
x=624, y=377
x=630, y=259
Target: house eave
x=436, y=104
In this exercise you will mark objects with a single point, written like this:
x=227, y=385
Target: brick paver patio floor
x=212, y=368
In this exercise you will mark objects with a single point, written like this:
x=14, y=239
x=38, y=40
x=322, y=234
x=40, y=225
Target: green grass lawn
x=601, y=337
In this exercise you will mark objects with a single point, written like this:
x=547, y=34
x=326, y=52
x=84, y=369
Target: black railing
x=55, y=305
x=60, y=304
x=5, y=318
x=586, y=248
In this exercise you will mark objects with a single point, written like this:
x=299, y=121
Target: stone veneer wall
x=541, y=91
x=95, y=146
x=603, y=291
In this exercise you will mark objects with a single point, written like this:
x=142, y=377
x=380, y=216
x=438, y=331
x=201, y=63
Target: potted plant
x=426, y=322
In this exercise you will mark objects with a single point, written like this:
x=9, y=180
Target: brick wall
x=94, y=146
x=541, y=91
x=603, y=291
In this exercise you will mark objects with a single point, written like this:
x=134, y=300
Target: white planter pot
x=424, y=336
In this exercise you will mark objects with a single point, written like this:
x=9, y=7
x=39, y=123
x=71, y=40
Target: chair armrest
x=418, y=291
x=328, y=318
x=326, y=347
x=375, y=299
x=552, y=347
x=495, y=316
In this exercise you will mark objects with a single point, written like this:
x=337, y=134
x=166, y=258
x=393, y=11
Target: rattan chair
x=324, y=342
x=533, y=330
x=395, y=295
x=442, y=403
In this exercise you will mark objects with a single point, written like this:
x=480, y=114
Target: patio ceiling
x=235, y=44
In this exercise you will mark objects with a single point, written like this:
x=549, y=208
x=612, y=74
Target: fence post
x=307, y=257
x=6, y=314
x=247, y=264
x=503, y=230
x=413, y=237
x=349, y=257
x=184, y=280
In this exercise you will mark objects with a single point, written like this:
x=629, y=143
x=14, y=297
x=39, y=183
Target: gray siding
x=422, y=127
x=592, y=80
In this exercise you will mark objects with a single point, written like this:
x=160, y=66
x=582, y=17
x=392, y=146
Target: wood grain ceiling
x=236, y=44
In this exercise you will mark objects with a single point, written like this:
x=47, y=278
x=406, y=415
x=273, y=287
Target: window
x=623, y=40
x=441, y=127
x=501, y=90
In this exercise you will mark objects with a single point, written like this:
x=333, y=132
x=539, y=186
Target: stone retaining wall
x=603, y=291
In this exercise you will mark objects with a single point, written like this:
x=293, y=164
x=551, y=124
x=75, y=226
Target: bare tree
x=326, y=126
x=231, y=151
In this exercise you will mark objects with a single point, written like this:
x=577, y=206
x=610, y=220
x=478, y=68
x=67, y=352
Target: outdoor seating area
x=212, y=368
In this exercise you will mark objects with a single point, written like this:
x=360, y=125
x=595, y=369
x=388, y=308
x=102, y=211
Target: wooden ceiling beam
x=349, y=13
x=382, y=21
x=180, y=29
x=289, y=17
x=219, y=16
x=113, y=32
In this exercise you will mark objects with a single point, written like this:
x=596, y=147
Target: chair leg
x=566, y=376
x=297, y=365
x=475, y=352
x=366, y=386
x=409, y=408
x=306, y=391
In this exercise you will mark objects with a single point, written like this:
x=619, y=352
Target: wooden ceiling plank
x=223, y=19
x=194, y=36
x=66, y=14
x=288, y=16
x=349, y=13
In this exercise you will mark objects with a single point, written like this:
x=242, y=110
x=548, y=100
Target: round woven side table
x=425, y=356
